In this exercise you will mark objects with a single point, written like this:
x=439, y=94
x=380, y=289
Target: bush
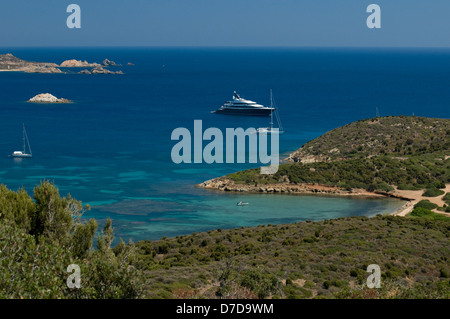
x=408, y=187
x=446, y=198
x=428, y=214
x=433, y=192
x=426, y=204
x=262, y=284
x=384, y=187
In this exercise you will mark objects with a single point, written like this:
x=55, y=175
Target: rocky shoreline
x=228, y=185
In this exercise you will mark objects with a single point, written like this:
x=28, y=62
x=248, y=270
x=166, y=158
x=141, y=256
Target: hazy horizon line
x=223, y=47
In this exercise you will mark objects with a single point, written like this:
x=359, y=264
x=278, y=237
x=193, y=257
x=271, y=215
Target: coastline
x=411, y=197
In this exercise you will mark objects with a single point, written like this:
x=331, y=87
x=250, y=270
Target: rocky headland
x=387, y=156
x=9, y=62
x=47, y=98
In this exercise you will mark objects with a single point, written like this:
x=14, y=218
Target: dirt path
x=415, y=197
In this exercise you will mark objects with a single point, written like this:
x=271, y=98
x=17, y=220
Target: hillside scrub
x=326, y=259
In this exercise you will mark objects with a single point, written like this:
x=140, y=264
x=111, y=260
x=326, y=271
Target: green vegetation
x=40, y=238
x=375, y=173
x=393, y=135
x=303, y=260
x=428, y=214
x=426, y=204
x=446, y=198
x=408, y=187
x=433, y=192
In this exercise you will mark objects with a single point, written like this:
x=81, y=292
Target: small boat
x=22, y=154
x=271, y=129
x=240, y=106
x=242, y=204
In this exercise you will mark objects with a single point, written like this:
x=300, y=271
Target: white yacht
x=23, y=153
x=240, y=106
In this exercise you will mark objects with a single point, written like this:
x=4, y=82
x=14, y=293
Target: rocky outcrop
x=43, y=69
x=99, y=70
x=299, y=157
x=228, y=185
x=78, y=64
x=107, y=62
x=47, y=98
x=9, y=62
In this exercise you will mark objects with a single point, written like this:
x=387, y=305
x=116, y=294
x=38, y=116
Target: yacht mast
x=271, y=111
x=25, y=136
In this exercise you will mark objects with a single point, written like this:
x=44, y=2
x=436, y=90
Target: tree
x=55, y=214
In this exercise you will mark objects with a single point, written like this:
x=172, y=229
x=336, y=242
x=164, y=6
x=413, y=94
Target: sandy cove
x=411, y=197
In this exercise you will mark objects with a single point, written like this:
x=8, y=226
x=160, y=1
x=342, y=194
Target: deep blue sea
x=111, y=148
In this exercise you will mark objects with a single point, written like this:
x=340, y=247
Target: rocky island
x=77, y=64
x=107, y=62
x=47, y=98
x=99, y=70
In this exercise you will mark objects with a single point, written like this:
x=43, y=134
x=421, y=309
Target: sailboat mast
x=23, y=137
x=28, y=141
x=271, y=110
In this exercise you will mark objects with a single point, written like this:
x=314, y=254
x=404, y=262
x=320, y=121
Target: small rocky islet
x=47, y=98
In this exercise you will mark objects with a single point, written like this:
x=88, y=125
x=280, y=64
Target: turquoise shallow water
x=111, y=148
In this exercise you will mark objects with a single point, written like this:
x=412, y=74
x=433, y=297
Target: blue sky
x=272, y=23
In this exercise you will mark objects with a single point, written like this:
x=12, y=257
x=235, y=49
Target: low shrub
x=433, y=192
x=426, y=204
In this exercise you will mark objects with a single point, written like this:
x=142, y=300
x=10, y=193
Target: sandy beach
x=415, y=197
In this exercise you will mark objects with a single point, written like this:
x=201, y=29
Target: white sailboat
x=271, y=129
x=23, y=153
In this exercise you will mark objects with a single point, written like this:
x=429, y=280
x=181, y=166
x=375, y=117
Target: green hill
x=393, y=135
x=410, y=152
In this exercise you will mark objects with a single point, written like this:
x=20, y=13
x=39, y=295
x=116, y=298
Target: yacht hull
x=22, y=156
x=250, y=112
